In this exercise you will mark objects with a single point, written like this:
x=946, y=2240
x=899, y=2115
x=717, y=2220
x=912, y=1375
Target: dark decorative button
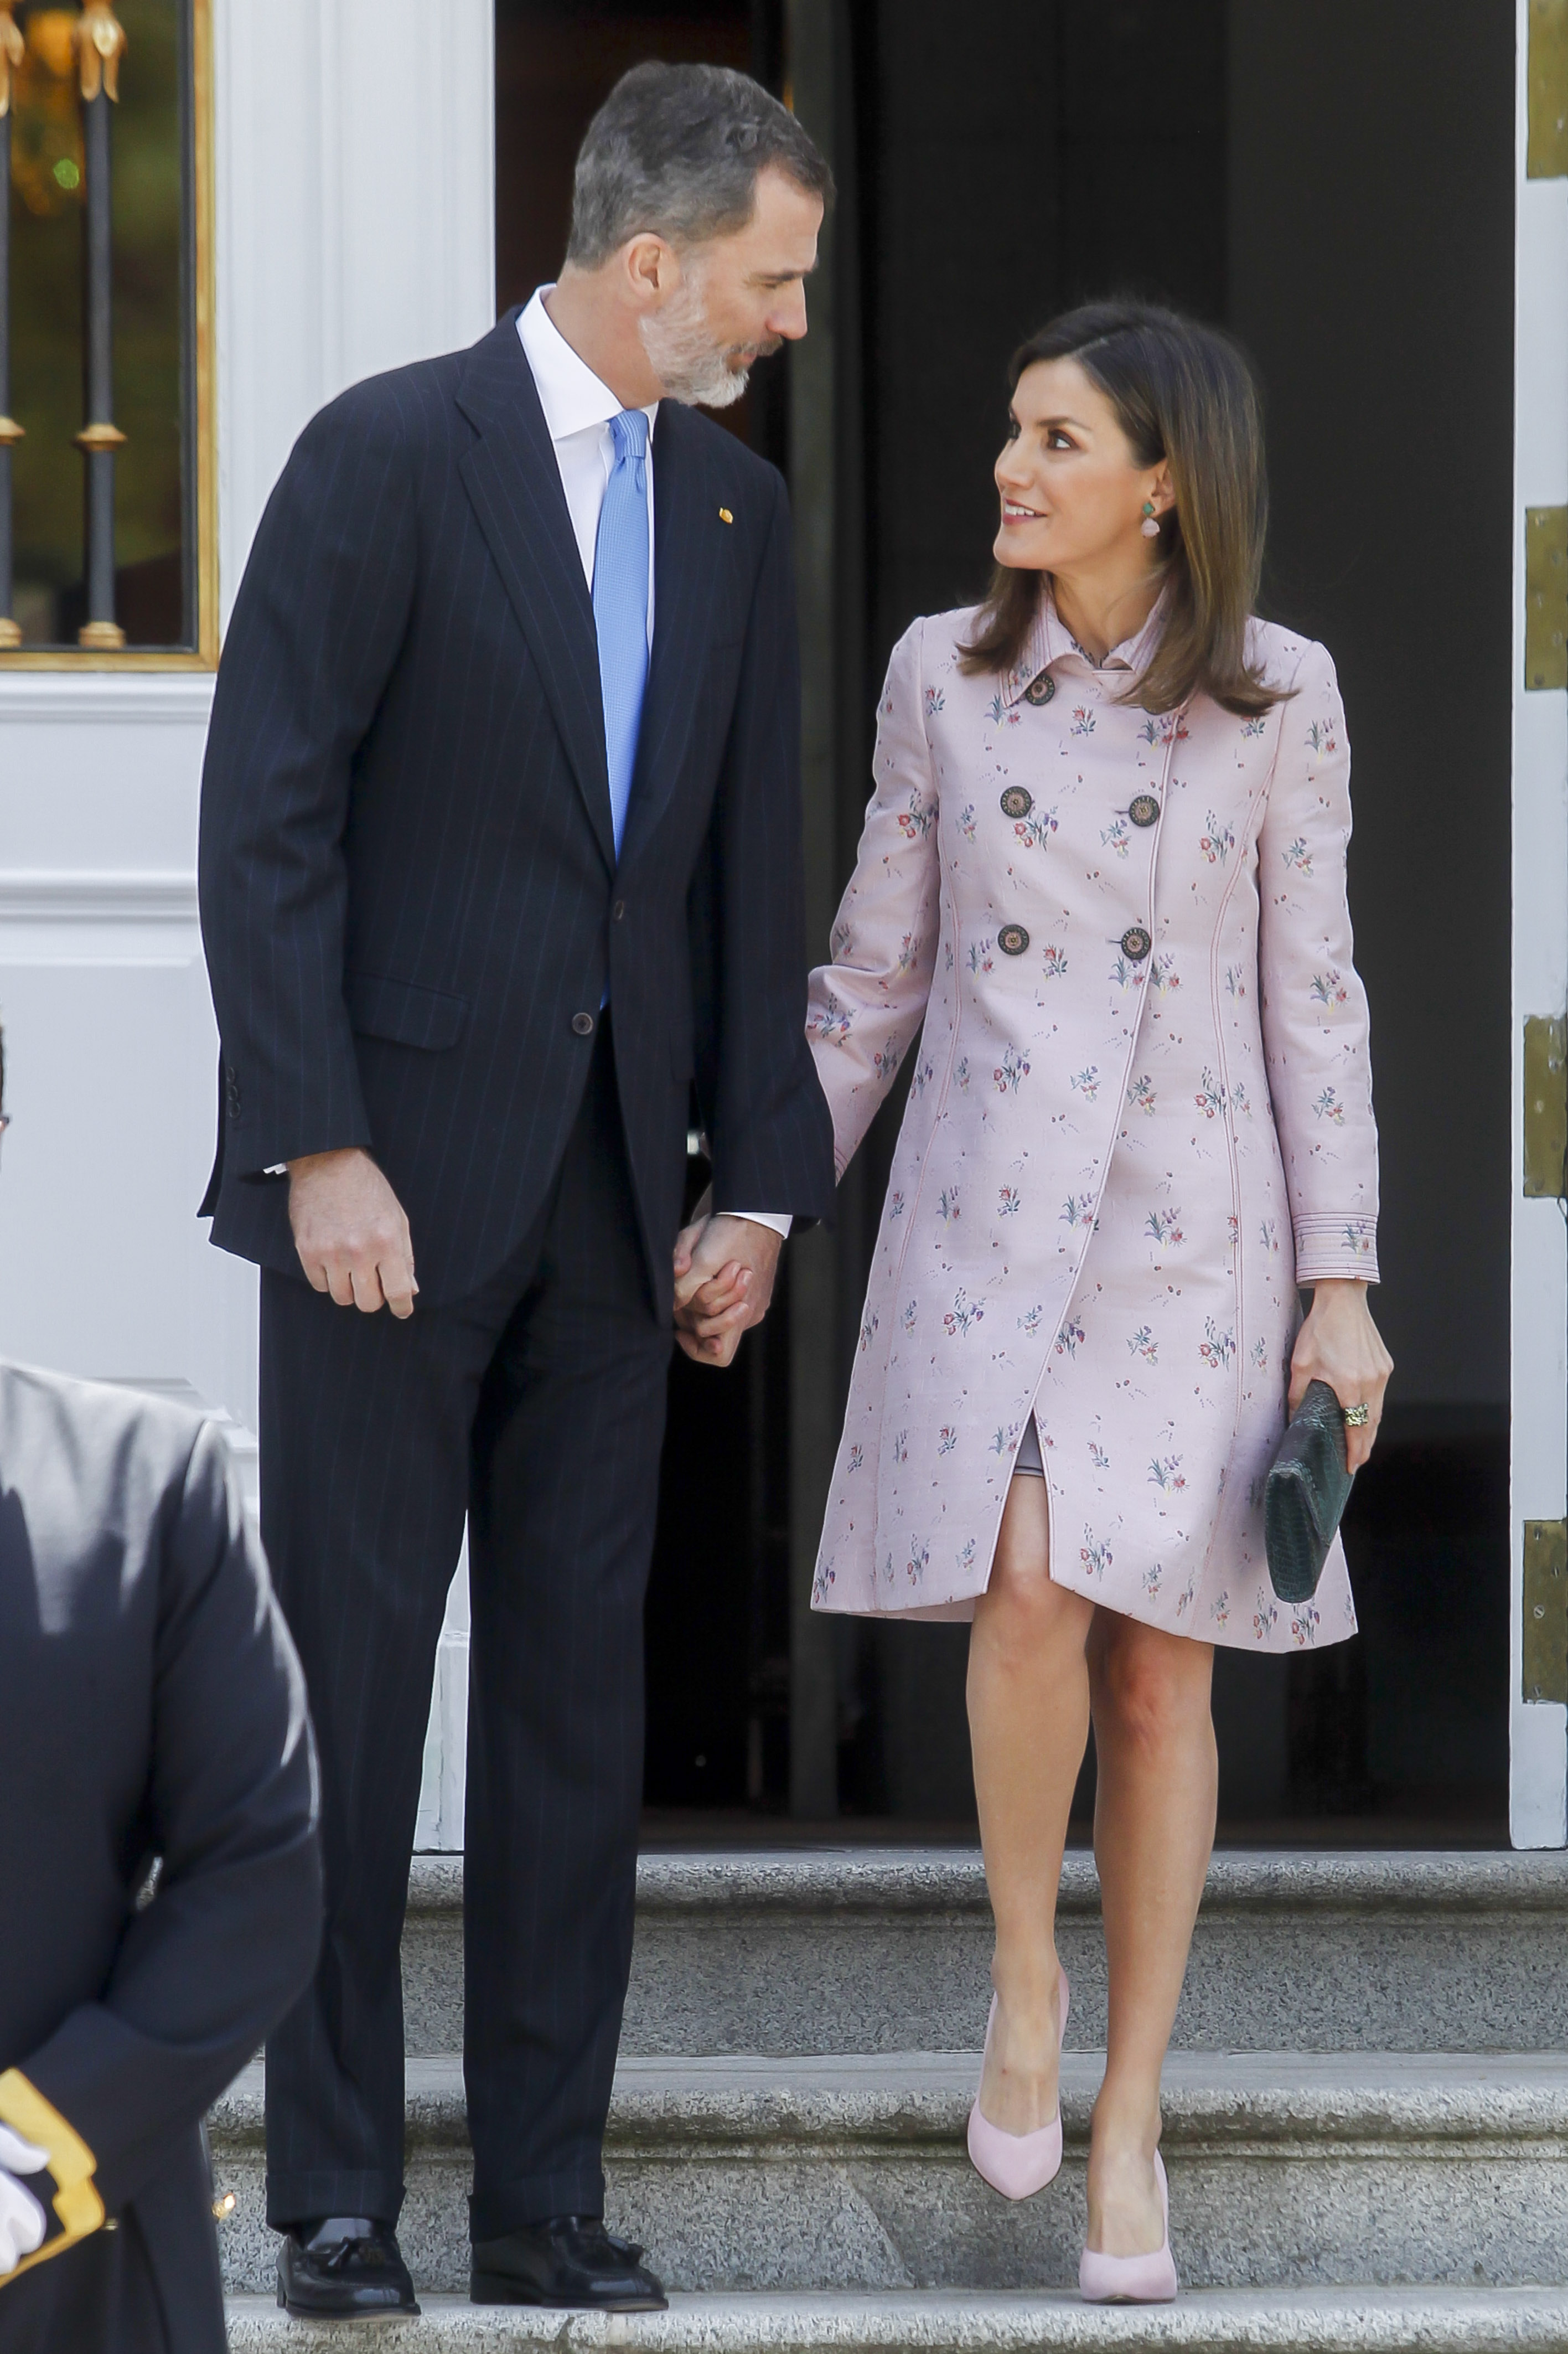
x=1144, y=810
x=1136, y=943
x=1012, y=939
x=583, y=1022
x=1041, y=689
x=619, y=911
x=1016, y=801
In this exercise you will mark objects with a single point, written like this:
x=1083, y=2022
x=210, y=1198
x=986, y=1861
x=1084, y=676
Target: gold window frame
x=203, y=656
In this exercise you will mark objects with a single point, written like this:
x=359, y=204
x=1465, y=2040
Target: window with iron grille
x=107, y=521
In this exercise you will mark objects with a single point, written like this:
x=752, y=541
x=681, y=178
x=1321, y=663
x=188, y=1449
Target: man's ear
x=649, y=267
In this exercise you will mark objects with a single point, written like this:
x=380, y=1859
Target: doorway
x=1335, y=185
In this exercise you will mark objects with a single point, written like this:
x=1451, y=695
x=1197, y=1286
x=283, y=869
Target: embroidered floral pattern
x=1218, y=1348
x=1217, y=841
x=1011, y=1071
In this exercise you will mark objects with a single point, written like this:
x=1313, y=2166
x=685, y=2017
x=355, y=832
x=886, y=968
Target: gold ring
x=1356, y=1416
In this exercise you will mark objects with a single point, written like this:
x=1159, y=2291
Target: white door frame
x=1537, y=1793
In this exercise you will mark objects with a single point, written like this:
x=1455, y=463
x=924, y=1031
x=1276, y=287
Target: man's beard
x=680, y=349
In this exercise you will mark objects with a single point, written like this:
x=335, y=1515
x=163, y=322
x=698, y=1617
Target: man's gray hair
x=676, y=150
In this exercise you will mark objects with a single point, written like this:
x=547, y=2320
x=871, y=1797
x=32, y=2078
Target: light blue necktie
x=620, y=605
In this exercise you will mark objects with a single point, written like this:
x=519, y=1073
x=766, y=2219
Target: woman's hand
x=1339, y=1344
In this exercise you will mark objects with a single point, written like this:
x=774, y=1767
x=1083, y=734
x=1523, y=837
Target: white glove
x=22, y=2220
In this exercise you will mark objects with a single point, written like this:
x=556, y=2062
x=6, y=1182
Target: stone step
x=1288, y=2170
x=1423, y=2321
x=889, y=1950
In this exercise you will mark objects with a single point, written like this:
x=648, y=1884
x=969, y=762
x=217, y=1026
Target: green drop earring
x=1150, y=521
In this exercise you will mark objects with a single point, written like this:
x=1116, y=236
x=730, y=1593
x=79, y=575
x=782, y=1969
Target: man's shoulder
x=57, y=1431
x=411, y=403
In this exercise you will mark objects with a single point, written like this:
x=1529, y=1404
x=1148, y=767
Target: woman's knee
x=1150, y=1688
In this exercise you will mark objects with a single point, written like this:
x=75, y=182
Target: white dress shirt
x=577, y=408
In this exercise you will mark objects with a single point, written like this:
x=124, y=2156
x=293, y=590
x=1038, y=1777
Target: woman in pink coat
x=1100, y=896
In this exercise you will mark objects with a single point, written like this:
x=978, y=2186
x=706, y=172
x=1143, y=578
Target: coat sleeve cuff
x=1331, y=1248
x=76, y=2210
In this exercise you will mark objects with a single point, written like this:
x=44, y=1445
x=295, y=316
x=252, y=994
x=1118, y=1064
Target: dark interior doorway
x=1335, y=184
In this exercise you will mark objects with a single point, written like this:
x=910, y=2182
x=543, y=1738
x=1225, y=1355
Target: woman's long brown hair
x=1182, y=392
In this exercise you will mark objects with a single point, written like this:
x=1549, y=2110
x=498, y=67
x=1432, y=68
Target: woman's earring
x=1150, y=521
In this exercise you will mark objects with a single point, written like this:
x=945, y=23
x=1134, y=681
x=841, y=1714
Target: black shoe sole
x=494, y=2289
x=321, y=2313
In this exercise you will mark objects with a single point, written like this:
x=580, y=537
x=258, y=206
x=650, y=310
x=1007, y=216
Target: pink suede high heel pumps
x=1132, y=2280
x=1017, y=2165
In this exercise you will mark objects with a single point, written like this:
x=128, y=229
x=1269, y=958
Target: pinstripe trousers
x=537, y=1406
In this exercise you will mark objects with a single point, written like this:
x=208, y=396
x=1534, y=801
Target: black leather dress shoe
x=571, y=2260
x=345, y=2268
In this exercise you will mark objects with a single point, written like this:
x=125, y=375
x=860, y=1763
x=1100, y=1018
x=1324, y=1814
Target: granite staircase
x=1366, y=2115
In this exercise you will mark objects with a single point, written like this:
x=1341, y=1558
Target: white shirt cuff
x=771, y=1219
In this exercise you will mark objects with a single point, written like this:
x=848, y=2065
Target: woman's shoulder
x=1286, y=658
x=934, y=644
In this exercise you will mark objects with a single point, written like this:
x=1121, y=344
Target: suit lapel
x=514, y=484
x=686, y=571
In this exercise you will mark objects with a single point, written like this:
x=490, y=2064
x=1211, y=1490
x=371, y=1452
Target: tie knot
x=630, y=432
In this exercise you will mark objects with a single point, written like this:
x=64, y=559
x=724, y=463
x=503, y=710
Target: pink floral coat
x=1140, y=1114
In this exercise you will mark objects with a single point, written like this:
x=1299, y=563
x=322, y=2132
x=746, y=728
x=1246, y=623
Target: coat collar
x=1050, y=640
x=514, y=484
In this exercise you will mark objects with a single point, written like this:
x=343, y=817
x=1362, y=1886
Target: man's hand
x=22, y=2220
x=724, y=1284
x=350, y=1232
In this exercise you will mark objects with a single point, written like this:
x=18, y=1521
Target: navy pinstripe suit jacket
x=409, y=881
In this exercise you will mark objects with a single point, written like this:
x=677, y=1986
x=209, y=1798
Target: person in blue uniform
x=160, y=1885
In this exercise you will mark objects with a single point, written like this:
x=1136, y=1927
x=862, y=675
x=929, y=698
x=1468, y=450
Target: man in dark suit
x=160, y=1887
x=500, y=854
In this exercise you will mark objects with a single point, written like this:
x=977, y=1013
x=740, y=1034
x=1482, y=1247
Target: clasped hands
x=353, y=1240
x=725, y=1269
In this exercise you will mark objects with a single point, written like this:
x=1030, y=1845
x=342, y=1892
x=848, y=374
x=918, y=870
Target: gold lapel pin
x=724, y=516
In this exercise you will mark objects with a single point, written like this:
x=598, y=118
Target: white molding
x=160, y=697
x=64, y=897
x=356, y=215
x=1538, y=1730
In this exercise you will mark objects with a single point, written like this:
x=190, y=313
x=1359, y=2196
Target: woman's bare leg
x=1154, y=1831
x=1029, y=1721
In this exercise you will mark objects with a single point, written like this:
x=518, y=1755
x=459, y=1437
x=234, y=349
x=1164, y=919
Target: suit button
x=1012, y=939
x=1016, y=801
x=1144, y=810
x=583, y=1025
x=619, y=911
x=1136, y=943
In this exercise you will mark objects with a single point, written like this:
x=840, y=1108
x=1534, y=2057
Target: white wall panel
x=355, y=180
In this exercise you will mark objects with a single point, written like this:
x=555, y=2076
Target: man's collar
x=1050, y=639
x=572, y=398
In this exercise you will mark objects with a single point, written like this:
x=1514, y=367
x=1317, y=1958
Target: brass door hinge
x=1546, y=155
x=1546, y=595
x=1545, y=1646
x=1545, y=1108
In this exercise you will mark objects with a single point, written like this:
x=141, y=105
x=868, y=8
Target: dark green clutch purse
x=1305, y=1494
